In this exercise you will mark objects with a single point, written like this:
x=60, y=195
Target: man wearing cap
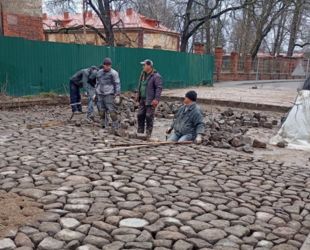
x=108, y=90
x=149, y=92
x=84, y=78
x=188, y=124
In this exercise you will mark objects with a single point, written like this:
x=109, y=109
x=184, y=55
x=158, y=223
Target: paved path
x=265, y=84
x=271, y=93
x=186, y=197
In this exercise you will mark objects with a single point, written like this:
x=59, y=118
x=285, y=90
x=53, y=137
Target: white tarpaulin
x=295, y=131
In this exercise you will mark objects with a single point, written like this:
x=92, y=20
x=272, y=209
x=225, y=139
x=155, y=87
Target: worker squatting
x=103, y=87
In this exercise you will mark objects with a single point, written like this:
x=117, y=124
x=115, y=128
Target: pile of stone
x=127, y=112
x=167, y=109
x=228, y=129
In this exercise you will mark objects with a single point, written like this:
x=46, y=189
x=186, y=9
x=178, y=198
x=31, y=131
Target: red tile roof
x=126, y=19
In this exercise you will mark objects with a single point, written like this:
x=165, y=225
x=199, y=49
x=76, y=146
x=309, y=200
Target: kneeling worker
x=188, y=124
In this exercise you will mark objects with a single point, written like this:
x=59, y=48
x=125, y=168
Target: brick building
x=133, y=30
x=21, y=18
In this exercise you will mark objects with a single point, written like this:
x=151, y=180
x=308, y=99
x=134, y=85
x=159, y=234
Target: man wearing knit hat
x=188, y=124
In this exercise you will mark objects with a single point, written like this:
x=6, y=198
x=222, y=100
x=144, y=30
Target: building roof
x=124, y=20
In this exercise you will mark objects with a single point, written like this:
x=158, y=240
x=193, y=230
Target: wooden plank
x=133, y=146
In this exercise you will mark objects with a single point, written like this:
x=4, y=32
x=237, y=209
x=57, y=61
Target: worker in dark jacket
x=188, y=124
x=149, y=92
x=84, y=78
x=108, y=90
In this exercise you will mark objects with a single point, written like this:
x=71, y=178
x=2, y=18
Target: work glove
x=95, y=98
x=168, y=131
x=117, y=100
x=154, y=103
x=198, y=139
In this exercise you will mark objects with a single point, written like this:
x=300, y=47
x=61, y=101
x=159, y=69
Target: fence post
x=257, y=70
x=248, y=66
x=234, y=64
x=218, y=62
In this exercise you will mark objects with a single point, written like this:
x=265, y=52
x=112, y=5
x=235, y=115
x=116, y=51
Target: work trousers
x=90, y=102
x=175, y=137
x=75, y=97
x=146, y=114
x=106, y=106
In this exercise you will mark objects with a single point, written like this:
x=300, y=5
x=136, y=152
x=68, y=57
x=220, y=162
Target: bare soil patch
x=16, y=210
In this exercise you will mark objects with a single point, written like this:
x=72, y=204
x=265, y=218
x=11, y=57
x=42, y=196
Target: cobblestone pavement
x=168, y=197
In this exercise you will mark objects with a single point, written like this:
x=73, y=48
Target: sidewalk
x=266, y=96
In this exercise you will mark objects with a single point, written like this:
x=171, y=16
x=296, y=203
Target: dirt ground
x=15, y=211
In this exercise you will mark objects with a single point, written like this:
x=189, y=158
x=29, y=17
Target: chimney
x=199, y=48
x=66, y=15
x=129, y=12
x=44, y=16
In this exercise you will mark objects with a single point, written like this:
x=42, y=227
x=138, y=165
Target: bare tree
x=297, y=14
x=280, y=31
x=161, y=10
x=191, y=22
x=60, y=6
x=102, y=8
x=265, y=13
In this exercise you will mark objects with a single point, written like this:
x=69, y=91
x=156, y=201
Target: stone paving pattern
x=169, y=197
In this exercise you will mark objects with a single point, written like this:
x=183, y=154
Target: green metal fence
x=32, y=67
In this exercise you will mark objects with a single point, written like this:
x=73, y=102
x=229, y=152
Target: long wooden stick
x=96, y=151
x=150, y=143
x=45, y=124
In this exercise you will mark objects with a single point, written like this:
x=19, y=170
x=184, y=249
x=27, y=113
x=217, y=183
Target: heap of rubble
x=127, y=112
x=167, y=109
x=228, y=129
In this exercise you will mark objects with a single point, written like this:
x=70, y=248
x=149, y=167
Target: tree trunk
x=244, y=44
x=184, y=42
x=218, y=36
x=185, y=32
x=107, y=17
x=208, y=29
x=279, y=36
x=294, y=27
x=208, y=36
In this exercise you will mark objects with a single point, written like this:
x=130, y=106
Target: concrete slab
x=243, y=93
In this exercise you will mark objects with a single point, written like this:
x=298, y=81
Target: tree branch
x=302, y=45
x=78, y=27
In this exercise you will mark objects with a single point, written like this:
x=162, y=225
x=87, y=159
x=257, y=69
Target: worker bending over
x=188, y=124
x=84, y=78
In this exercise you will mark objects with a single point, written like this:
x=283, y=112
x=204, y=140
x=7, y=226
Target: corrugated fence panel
x=32, y=67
